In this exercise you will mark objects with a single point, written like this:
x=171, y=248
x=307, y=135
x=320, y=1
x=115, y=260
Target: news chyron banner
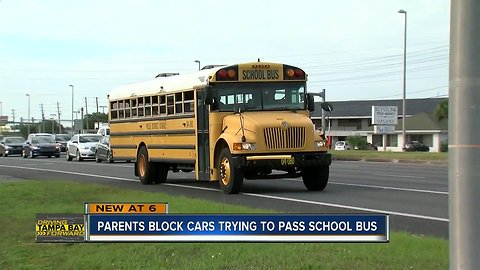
x=151, y=222
x=60, y=228
x=119, y=225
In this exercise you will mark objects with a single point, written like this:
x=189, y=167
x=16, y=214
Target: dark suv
x=416, y=146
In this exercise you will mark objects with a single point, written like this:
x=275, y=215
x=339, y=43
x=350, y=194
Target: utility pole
x=82, y=119
x=323, y=111
x=53, y=122
x=59, y=123
x=86, y=113
x=43, y=117
x=96, y=100
x=103, y=108
x=13, y=115
x=463, y=130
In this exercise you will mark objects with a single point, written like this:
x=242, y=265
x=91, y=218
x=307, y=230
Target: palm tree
x=441, y=112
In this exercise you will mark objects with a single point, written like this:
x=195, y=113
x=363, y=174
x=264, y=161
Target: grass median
x=401, y=156
x=23, y=199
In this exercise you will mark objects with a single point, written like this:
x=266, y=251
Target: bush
x=444, y=147
x=358, y=142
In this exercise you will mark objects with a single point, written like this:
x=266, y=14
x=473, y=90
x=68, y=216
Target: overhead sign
x=383, y=129
x=384, y=115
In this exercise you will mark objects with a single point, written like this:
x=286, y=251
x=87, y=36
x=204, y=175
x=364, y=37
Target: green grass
x=364, y=154
x=20, y=201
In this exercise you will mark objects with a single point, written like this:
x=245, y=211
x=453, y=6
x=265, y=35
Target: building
x=354, y=118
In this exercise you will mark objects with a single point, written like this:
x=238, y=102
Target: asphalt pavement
x=415, y=195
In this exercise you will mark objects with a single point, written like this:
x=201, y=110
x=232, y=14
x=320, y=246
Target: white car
x=342, y=145
x=82, y=146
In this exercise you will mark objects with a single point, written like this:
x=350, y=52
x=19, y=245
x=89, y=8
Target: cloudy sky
x=352, y=48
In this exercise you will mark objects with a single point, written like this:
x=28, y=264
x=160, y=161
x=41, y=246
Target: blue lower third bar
x=238, y=228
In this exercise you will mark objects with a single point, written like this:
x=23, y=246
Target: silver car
x=82, y=146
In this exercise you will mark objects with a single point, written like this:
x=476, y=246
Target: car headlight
x=7, y=147
x=319, y=144
x=35, y=147
x=85, y=147
x=244, y=146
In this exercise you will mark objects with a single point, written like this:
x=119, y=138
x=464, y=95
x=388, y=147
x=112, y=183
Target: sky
x=351, y=48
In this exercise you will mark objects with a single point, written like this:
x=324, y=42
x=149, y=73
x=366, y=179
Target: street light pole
x=404, y=107
x=198, y=61
x=53, y=122
x=28, y=122
x=72, y=105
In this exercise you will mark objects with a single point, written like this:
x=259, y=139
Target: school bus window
x=178, y=103
x=163, y=105
x=134, y=107
x=127, y=108
x=170, y=104
x=113, y=110
x=148, y=107
x=188, y=95
x=140, y=107
x=155, y=105
x=188, y=105
x=121, y=109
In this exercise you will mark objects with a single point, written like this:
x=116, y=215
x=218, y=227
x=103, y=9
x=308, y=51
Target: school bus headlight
x=244, y=146
x=319, y=144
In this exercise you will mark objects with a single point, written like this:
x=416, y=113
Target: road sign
x=3, y=119
x=384, y=115
x=383, y=129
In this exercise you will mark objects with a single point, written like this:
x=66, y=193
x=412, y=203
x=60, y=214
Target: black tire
x=57, y=155
x=109, y=157
x=162, y=170
x=97, y=158
x=229, y=177
x=315, y=178
x=147, y=171
x=78, y=156
x=69, y=158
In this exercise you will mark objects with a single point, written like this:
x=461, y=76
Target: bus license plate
x=288, y=161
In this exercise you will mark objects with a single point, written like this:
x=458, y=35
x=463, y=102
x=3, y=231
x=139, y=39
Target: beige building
x=354, y=118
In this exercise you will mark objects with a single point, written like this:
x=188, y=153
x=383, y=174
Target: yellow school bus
x=225, y=123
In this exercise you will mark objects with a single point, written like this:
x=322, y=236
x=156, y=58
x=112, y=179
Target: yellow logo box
x=126, y=208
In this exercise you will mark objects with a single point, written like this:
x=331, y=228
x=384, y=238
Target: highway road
x=415, y=195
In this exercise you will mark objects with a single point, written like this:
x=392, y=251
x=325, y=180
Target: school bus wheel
x=315, y=178
x=230, y=178
x=147, y=171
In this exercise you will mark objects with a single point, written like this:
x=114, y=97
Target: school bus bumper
x=299, y=160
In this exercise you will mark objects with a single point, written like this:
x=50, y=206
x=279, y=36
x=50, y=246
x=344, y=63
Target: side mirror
x=74, y=142
x=209, y=95
x=310, y=102
x=327, y=107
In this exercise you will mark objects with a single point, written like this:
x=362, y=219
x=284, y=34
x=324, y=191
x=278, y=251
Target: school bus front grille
x=279, y=138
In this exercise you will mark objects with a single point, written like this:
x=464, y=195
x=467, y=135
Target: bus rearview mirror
x=209, y=96
x=310, y=102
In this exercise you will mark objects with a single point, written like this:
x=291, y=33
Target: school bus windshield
x=261, y=96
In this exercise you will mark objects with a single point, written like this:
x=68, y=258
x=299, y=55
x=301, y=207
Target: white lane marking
x=401, y=176
x=249, y=194
x=348, y=207
x=379, y=187
x=391, y=188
